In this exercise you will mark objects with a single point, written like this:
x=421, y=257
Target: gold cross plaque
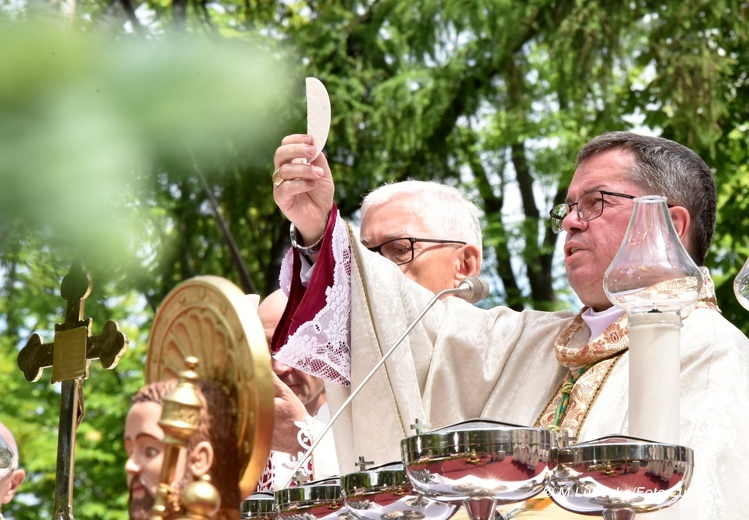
x=73, y=347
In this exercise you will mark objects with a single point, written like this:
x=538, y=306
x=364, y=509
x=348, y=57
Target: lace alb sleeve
x=321, y=345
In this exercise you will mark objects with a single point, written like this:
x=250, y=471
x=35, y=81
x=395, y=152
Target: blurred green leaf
x=84, y=112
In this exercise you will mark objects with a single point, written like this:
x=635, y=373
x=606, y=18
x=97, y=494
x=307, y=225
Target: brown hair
x=667, y=168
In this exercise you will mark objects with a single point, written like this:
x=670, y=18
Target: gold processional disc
x=210, y=318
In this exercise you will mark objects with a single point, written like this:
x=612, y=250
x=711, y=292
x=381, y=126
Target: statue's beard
x=141, y=508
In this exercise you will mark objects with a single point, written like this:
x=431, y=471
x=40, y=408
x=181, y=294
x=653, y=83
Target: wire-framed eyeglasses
x=401, y=250
x=589, y=207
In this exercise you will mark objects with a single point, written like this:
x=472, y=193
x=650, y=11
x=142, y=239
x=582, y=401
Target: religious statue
x=206, y=332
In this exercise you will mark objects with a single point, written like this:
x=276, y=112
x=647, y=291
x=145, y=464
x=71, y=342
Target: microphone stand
x=467, y=289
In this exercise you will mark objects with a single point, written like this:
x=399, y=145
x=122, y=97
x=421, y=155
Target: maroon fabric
x=305, y=302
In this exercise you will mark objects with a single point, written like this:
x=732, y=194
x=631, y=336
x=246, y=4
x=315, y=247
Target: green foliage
x=31, y=410
x=493, y=96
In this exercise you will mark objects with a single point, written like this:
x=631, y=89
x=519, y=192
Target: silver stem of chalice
x=619, y=514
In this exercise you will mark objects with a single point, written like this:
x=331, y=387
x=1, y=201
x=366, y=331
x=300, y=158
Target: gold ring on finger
x=277, y=179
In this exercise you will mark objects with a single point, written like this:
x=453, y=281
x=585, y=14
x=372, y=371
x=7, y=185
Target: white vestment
x=462, y=362
x=714, y=388
x=714, y=413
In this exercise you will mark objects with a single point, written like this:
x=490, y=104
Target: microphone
x=472, y=289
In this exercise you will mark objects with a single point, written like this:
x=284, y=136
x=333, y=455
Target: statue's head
x=211, y=450
x=208, y=326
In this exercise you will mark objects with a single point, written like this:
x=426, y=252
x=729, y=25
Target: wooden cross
x=69, y=356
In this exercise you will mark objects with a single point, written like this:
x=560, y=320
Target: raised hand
x=288, y=409
x=304, y=192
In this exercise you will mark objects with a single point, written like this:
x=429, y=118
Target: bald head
x=8, y=436
x=9, y=483
x=270, y=311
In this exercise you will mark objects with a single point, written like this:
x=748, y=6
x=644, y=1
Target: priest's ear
x=682, y=223
x=201, y=459
x=15, y=479
x=468, y=262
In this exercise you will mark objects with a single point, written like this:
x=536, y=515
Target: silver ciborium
x=386, y=493
x=479, y=463
x=319, y=500
x=617, y=477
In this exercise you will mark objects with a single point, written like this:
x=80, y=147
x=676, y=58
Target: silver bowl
x=386, y=493
x=619, y=473
x=480, y=463
x=320, y=500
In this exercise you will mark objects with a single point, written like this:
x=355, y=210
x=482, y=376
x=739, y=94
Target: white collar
x=597, y=322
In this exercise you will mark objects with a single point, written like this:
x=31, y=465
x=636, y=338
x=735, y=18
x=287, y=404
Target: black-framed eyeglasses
x=589, y=207
x=401, y=250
